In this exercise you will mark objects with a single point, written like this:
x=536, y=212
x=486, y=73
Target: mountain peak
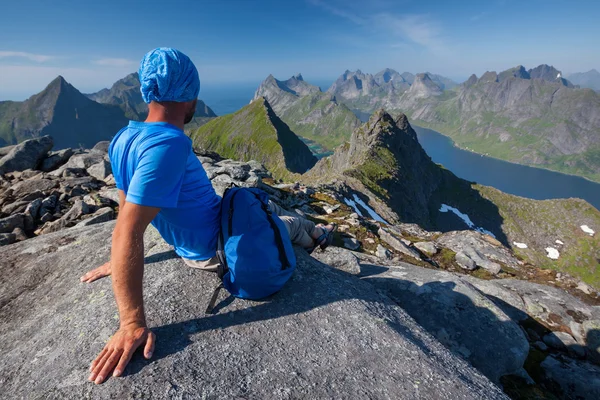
x=549, y=73
x=517, y=72
x=255, y=132
x=298, y=77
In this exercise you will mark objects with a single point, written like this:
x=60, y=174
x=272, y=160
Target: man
x=160, y=181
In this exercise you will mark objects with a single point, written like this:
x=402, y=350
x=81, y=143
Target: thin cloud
x=40, y=58
x=338, y=11
x=115, y=62
x=477, y=17
x=416, y=28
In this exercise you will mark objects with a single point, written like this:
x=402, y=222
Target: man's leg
x=300, y=230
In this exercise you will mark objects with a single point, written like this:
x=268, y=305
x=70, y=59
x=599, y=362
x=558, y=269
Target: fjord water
x=520, y=180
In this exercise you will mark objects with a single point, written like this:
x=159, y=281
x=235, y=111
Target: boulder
x=49, y=205
x=104, y=214
x=19, y=234
x=457, y=314
x=26, y=155
x=110, y=193
x=559, y=340
x=80, y=161
x=56, y=159
x=100, y=170
x=75, y=212
x=23, y=188
x=485, y=251
x=397, y=244
x=591, y=333
x=351, y=243
x=5, y=150
x=555, y=308
x=237, y=172
x=426, y=247
x=16, y=207
x=383, y=253
x=101, y=147
x=339, y=258
x=9, y=223
x=464, y=261
x=327, y=334
x=576, y=379
x=7, y=238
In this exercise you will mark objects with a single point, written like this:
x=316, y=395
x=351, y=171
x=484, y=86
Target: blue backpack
x=254, y=248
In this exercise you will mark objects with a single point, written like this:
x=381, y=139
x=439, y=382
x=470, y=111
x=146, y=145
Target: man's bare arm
x=127, y=264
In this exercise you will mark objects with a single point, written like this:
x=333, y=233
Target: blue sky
x=94, y=43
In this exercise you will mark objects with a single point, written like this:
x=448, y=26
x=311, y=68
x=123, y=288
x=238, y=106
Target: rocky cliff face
x=522, y=116
x=256, y=133
x=63, y=112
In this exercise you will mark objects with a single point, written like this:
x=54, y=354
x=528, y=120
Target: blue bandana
x=168, y=75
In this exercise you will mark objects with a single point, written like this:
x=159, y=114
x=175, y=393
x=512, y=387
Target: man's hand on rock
x=119, y=349
x=97, y=273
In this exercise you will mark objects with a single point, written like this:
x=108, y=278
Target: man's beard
x=189, y=116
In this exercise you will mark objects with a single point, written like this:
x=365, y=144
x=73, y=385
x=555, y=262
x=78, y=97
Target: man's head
x=169, y=77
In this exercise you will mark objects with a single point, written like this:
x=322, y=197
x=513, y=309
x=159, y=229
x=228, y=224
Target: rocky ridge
x=520, y=330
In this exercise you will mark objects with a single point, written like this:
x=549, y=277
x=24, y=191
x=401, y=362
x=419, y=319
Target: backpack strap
x=211, y=304
x=285, y=263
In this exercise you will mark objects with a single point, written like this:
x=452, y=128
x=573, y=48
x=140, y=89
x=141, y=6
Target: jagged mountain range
x=77, y=120
x=533, y=117
x=364, y=93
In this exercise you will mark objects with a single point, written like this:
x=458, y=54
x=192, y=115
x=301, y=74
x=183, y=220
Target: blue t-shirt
x=153, y=163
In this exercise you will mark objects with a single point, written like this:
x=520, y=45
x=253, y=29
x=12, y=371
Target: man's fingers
x=149, y=348
x=123, y=361
x=109, y=364
x=95, y=362
x=100, y=361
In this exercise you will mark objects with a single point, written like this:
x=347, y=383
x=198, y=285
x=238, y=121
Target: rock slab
x=325, y=335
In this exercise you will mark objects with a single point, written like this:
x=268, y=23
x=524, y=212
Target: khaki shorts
x=206, y=265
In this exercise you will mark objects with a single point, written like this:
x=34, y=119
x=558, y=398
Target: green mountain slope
x=256, y=133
